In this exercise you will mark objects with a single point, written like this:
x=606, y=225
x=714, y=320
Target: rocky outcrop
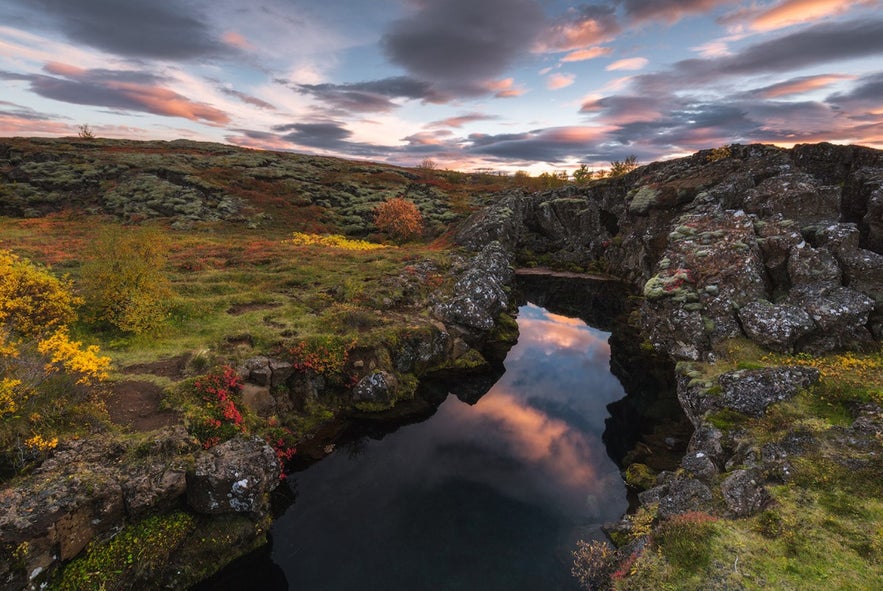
x=93, y=486
x=781, y=246
x=233, y=477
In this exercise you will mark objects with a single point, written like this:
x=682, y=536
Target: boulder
x=379, y=386
x=751, y=391
x=796, y=196
x=840, y=313
x=775, y=326
x=700, y=466
x=744, y=494
x=810, y=265
x=682, y=496
x=233, y=477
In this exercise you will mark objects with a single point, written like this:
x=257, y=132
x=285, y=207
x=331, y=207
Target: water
x=485, y=497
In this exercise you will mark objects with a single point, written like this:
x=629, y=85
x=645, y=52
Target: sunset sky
x=501, y=84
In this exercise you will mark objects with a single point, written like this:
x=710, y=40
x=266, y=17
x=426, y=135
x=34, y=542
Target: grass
x=824, y=529
x=238, y=292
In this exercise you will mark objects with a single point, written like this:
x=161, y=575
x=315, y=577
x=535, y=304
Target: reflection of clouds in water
x=526, y=454
x=536, y=434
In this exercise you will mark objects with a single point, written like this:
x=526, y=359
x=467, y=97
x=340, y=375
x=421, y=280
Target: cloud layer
x=495, y=83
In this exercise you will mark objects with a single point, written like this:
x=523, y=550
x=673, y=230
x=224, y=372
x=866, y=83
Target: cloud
x=820, y=44
x=793, y=12
x=863, y=100
x=623, y=109
x=669, y=11
x=461, y=120
x=580, y=55
x=579, y=30
x=247, y=98
x=799, y=85
x=503, y=88
x=234, y=39
x=116, y=89
x=159, y=29
x=557, y=81
x=632, y=63
x=457, y=43
x=554, y=144
x=372, y=96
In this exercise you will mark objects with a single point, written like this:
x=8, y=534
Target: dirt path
x=136, y=403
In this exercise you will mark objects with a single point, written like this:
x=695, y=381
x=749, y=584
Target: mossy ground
x=824, y=527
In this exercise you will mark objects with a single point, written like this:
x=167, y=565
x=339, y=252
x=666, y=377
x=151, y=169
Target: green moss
x=138, y=548
x=640, y=476
x=726, y=419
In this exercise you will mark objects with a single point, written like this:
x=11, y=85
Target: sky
x=470, y=84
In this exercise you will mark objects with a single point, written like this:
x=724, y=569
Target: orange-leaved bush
x=399, y=218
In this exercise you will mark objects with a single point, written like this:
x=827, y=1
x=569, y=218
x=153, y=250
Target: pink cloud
x=802, y=85
x=587, y=54
x=504, y=88
x=558, y=81
x=11, y=125
x=62, y=69
x=461, y=120
x=793, y=12
x=632, y=63
x=162, y=101
x=236, y=40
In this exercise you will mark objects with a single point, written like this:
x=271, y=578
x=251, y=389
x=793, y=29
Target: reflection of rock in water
x=648, y=424
x=252, y=571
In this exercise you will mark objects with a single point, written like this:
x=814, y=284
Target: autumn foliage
x=399, y=218
x=45, y=374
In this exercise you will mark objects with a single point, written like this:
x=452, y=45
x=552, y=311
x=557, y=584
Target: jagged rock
x=708, y=439
x=422, y=349
x=481, y=294
x=796, y=196
x=280, y=371
x=699, y=466
x=810, y=265
x=380, y=386
x=776, y=238
x=840, y=313
x=233, y=477
x=258, y=399
x=682, y=496
x=751, y=391
x=744, y=494
x=873, y=220
x=775, y=326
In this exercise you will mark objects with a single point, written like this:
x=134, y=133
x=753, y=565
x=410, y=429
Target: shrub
x=123, y=281
x=621, y=167
x=218, y=419
x=399, y=218
x=48, y=380
x=593, y=564
x=684, y=540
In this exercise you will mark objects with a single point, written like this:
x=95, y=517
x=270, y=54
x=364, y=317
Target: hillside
x=193, y=182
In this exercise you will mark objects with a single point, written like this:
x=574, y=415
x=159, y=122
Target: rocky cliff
x=755, y=247
x=781, y=246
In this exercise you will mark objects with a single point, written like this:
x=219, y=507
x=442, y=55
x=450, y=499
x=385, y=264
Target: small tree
x=399, y=218
x=123, y=280
x=582, y=174
x=85, y=132
x=621, y=167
